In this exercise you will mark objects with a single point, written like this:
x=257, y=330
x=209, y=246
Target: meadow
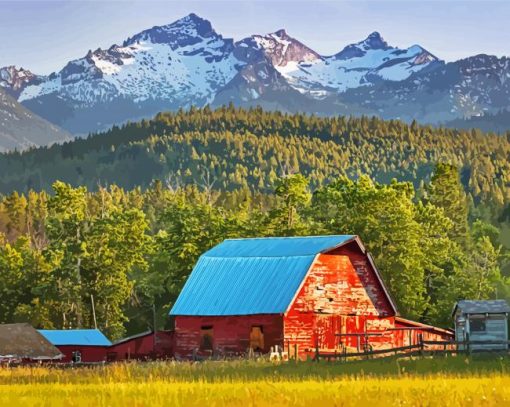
x=451, y=381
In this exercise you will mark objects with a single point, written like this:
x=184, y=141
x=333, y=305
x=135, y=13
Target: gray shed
x=479, y=321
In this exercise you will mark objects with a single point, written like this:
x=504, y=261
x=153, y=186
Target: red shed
x=407, y=332
x=79, y=345
x=143, y=346
x=295, y=292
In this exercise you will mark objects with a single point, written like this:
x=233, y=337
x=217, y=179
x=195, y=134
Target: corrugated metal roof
x=482, y=307
x=136, y=336
x=277, y=246
x=79, y=337
x=251, y=276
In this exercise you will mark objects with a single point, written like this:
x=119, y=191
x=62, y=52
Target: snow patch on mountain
x=357, y=65
x=186, y=59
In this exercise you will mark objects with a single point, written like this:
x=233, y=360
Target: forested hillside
x=235, y=148
x=132, y=249
x=123, y=216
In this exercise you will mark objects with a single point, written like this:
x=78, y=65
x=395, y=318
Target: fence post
x=317, y=349
x=422, y=345
x=468, y=345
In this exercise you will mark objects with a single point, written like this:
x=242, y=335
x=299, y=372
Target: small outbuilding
x=482, y=321
x=79, y=345
x=143, y=346
x=21, y=343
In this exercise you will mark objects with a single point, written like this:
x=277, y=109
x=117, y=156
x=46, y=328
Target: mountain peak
x=14, y=79
x=281, y=33
x=192, y=20
x=374, y=41
x=182, y=32
x=281, y=48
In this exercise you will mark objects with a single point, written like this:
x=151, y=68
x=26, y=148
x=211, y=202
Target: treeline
x=127, y=250
x=248, y=149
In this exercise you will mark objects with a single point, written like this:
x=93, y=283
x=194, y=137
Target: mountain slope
x=237, y=148
x=188, y=63
x=20, y=128
x=471, y=87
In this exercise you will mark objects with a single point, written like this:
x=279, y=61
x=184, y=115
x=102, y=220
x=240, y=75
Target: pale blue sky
x=43, y=35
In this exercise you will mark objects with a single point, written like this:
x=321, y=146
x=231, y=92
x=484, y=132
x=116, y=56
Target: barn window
x=257, y=338
x=477, y=325
x=206, y=337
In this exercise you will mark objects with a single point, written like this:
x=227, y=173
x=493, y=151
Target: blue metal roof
x=87, y=337
x=251, y=276
x=277, y=246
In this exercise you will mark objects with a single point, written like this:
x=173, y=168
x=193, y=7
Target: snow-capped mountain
x=183, y=60
x=281, y=49
x=188, y=63
x=356, y=65
x=14, y=80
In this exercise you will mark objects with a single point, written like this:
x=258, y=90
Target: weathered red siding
x=408, y=333
x=340, y=295
x=89, y=354
x=231, y=333
x=143, y=347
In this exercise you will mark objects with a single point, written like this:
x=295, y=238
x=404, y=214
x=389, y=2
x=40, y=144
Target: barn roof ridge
x=255, y=257
x=287, y=237
x=277, y=247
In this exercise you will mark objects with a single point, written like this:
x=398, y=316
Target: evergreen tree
x=445, y=191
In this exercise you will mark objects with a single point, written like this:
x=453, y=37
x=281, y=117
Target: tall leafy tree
x=384, y=217
x=67, y=225
x=293, y=196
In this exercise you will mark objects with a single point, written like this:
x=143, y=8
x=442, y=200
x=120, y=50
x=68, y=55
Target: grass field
x=453, y=381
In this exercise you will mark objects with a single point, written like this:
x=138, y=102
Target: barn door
x=257, y=338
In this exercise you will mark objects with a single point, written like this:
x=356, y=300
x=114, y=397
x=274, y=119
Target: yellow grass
x=240, y=384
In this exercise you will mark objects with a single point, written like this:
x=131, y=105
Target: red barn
x=143, y=346
x=296, y=292
x=79, y=345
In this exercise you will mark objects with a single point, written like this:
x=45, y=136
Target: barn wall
x=231, y=334
x=143, y=347
x=408, y=333
x=340, y=295
x=88, y=353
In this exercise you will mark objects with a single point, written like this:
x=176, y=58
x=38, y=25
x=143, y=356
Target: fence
x=421, y=348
